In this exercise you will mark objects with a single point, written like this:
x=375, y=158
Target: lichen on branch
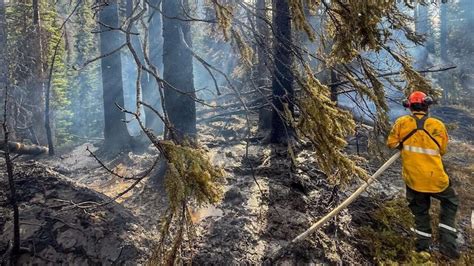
x=190, y=180
x=326, y=126
x=191, y=176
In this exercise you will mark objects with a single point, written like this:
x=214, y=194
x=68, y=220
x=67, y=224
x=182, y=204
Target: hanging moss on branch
x=327, y=126
x=355, y=30
x=245, y=51
x=190, y=180
x=355, y=26
x=299, y=19
x=190, y=175
x=224, y=15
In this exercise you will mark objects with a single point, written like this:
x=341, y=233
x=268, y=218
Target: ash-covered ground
x=265, y=205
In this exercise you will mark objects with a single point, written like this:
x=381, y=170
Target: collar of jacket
x=419, y=113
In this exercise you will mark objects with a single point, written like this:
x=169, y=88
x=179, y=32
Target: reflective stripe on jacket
x=423, y=169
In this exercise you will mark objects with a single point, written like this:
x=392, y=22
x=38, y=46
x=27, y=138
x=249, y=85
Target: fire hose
x=280, y=251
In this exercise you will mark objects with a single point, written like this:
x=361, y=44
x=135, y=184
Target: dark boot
x=447, y=230
x=449, y=251
x=447, y=239
x=423, y=240
x=422, y=244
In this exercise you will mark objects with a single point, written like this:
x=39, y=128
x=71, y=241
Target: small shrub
x=388, y=240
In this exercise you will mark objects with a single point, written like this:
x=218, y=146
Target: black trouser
x=419, y=204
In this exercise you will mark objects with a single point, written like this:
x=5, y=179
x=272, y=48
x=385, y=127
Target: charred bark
x=262, y=42
x=3, y=45
x=47, y=111
x=261, y=73
x=179, y=90
x=282, y=83
x=11, y=183
x=115, y=131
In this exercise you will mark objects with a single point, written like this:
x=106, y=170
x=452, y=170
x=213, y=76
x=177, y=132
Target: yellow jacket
x=423, y=169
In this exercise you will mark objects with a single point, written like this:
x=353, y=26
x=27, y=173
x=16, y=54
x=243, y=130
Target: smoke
x=129, y=77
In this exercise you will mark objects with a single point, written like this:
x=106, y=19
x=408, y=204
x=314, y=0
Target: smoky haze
x=458, y=17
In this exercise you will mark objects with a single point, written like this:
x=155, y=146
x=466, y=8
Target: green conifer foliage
x=59, y=82
x=27, y=68
x=85, y=86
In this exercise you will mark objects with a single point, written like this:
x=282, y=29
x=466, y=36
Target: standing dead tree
x=117, y=138
x=11, y=182
x=186, y=163
x=282, y=83
x=178, y=71
x=9, y=165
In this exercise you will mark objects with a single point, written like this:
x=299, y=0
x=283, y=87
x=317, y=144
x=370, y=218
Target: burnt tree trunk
x=466, y=71
x=262, y=38
x=11, y=182
x=3, y=47
x=150, y=93
x=4, y=86
x=262, y=42
x=423, y=27
x=282, y=80
x=156, y=34
x=179, y=90
x=115, y=131
x=47, y=109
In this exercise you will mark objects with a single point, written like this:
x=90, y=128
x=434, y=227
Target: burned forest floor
x=68, y=214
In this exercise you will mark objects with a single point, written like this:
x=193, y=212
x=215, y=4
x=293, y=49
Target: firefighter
x=422, y=141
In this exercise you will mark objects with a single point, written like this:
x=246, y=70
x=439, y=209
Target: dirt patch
x=265, y=206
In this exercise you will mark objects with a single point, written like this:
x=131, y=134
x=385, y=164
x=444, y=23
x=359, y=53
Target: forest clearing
x=229, y=132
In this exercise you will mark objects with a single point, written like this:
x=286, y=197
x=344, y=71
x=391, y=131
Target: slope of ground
x=55, y=228
x=461, y=120
x=255, y=219
x=265, y=205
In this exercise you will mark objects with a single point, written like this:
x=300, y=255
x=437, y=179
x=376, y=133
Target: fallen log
x=20, y=148
x=281, y=251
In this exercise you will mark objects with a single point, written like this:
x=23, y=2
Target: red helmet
x=417, y=97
